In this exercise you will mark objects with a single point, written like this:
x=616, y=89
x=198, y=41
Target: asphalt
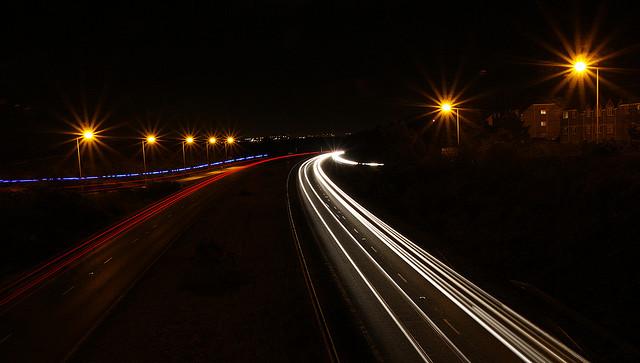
x=408, y=316
x=211, y=277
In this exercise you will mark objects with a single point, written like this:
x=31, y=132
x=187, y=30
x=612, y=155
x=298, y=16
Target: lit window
x=543, y=123
x=543, y=112
x=565, y=115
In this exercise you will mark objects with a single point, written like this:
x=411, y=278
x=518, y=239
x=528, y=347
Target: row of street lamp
x=579, y=66
x=90, y=135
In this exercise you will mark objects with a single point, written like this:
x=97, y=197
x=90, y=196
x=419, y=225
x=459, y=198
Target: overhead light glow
x=87, y=134
x=580, y=66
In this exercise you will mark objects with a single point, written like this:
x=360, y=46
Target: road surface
x=414, y=307
x=46, y=313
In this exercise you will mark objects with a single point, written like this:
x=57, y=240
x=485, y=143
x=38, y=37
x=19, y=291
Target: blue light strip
x=128, y=175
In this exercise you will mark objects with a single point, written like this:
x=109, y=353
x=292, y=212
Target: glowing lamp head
x=446, y=107
x=189, y=140
x=580, y=66
x=212, y=140
x=230, y=140
x=151, y=139
x=87, y=134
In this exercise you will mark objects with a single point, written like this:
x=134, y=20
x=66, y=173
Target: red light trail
x=26, y=283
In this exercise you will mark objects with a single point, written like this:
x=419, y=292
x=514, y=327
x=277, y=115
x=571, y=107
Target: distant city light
x=212, y=140
x=230, y=140
x=151, y=139
x=189, y=140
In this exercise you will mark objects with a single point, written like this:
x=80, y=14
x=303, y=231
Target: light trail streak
x=371, y=288
x=28, y=282
x=129, y=175
x=337, y=157
x=523, y=338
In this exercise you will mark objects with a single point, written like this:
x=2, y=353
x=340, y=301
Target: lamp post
x=446, y=107
x=187, y=140
x=87, y=135
x=228, y=142
x=580, y=66
x=212, y=141
x=149, y=140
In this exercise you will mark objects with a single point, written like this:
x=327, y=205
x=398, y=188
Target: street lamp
x=87, y=136
x=230, y=140
x=447, y=107
x=212, y=141
x=187, y=140
x=580, y=67
x=149, y=140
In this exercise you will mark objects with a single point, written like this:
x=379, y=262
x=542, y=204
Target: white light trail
x=337, y=157
x=382, y=302
x=523, y=338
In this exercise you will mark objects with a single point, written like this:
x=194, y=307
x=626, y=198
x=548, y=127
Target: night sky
x=287, y=67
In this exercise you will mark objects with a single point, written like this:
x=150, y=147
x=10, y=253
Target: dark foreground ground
x=229, y=289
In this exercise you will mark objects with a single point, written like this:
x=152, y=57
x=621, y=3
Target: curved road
x=47, y=312
x=415, y=307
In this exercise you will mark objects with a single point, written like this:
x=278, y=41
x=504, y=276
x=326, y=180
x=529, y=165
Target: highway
x=46, y=313
x=414, y=307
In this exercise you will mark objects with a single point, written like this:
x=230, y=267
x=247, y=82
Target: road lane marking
x=498, y=320
x=374, y=250
x=304, y=172
x=91, y=273
x=135, y=240
x=355, y=230
x=68, y=290
x=107, y=261
x=451, y=326
x=402, y=277
x=6, y=338
x=411, y=339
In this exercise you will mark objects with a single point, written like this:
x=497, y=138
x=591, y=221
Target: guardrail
x=129, y=175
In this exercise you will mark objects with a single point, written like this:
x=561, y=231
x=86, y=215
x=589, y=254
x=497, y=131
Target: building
x=542, y=120
x=550, y=121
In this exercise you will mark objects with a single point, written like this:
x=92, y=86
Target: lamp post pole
x=144, y=158
x=597, y=103
x=79, y=162
x=458, y=124
x=184, y=158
